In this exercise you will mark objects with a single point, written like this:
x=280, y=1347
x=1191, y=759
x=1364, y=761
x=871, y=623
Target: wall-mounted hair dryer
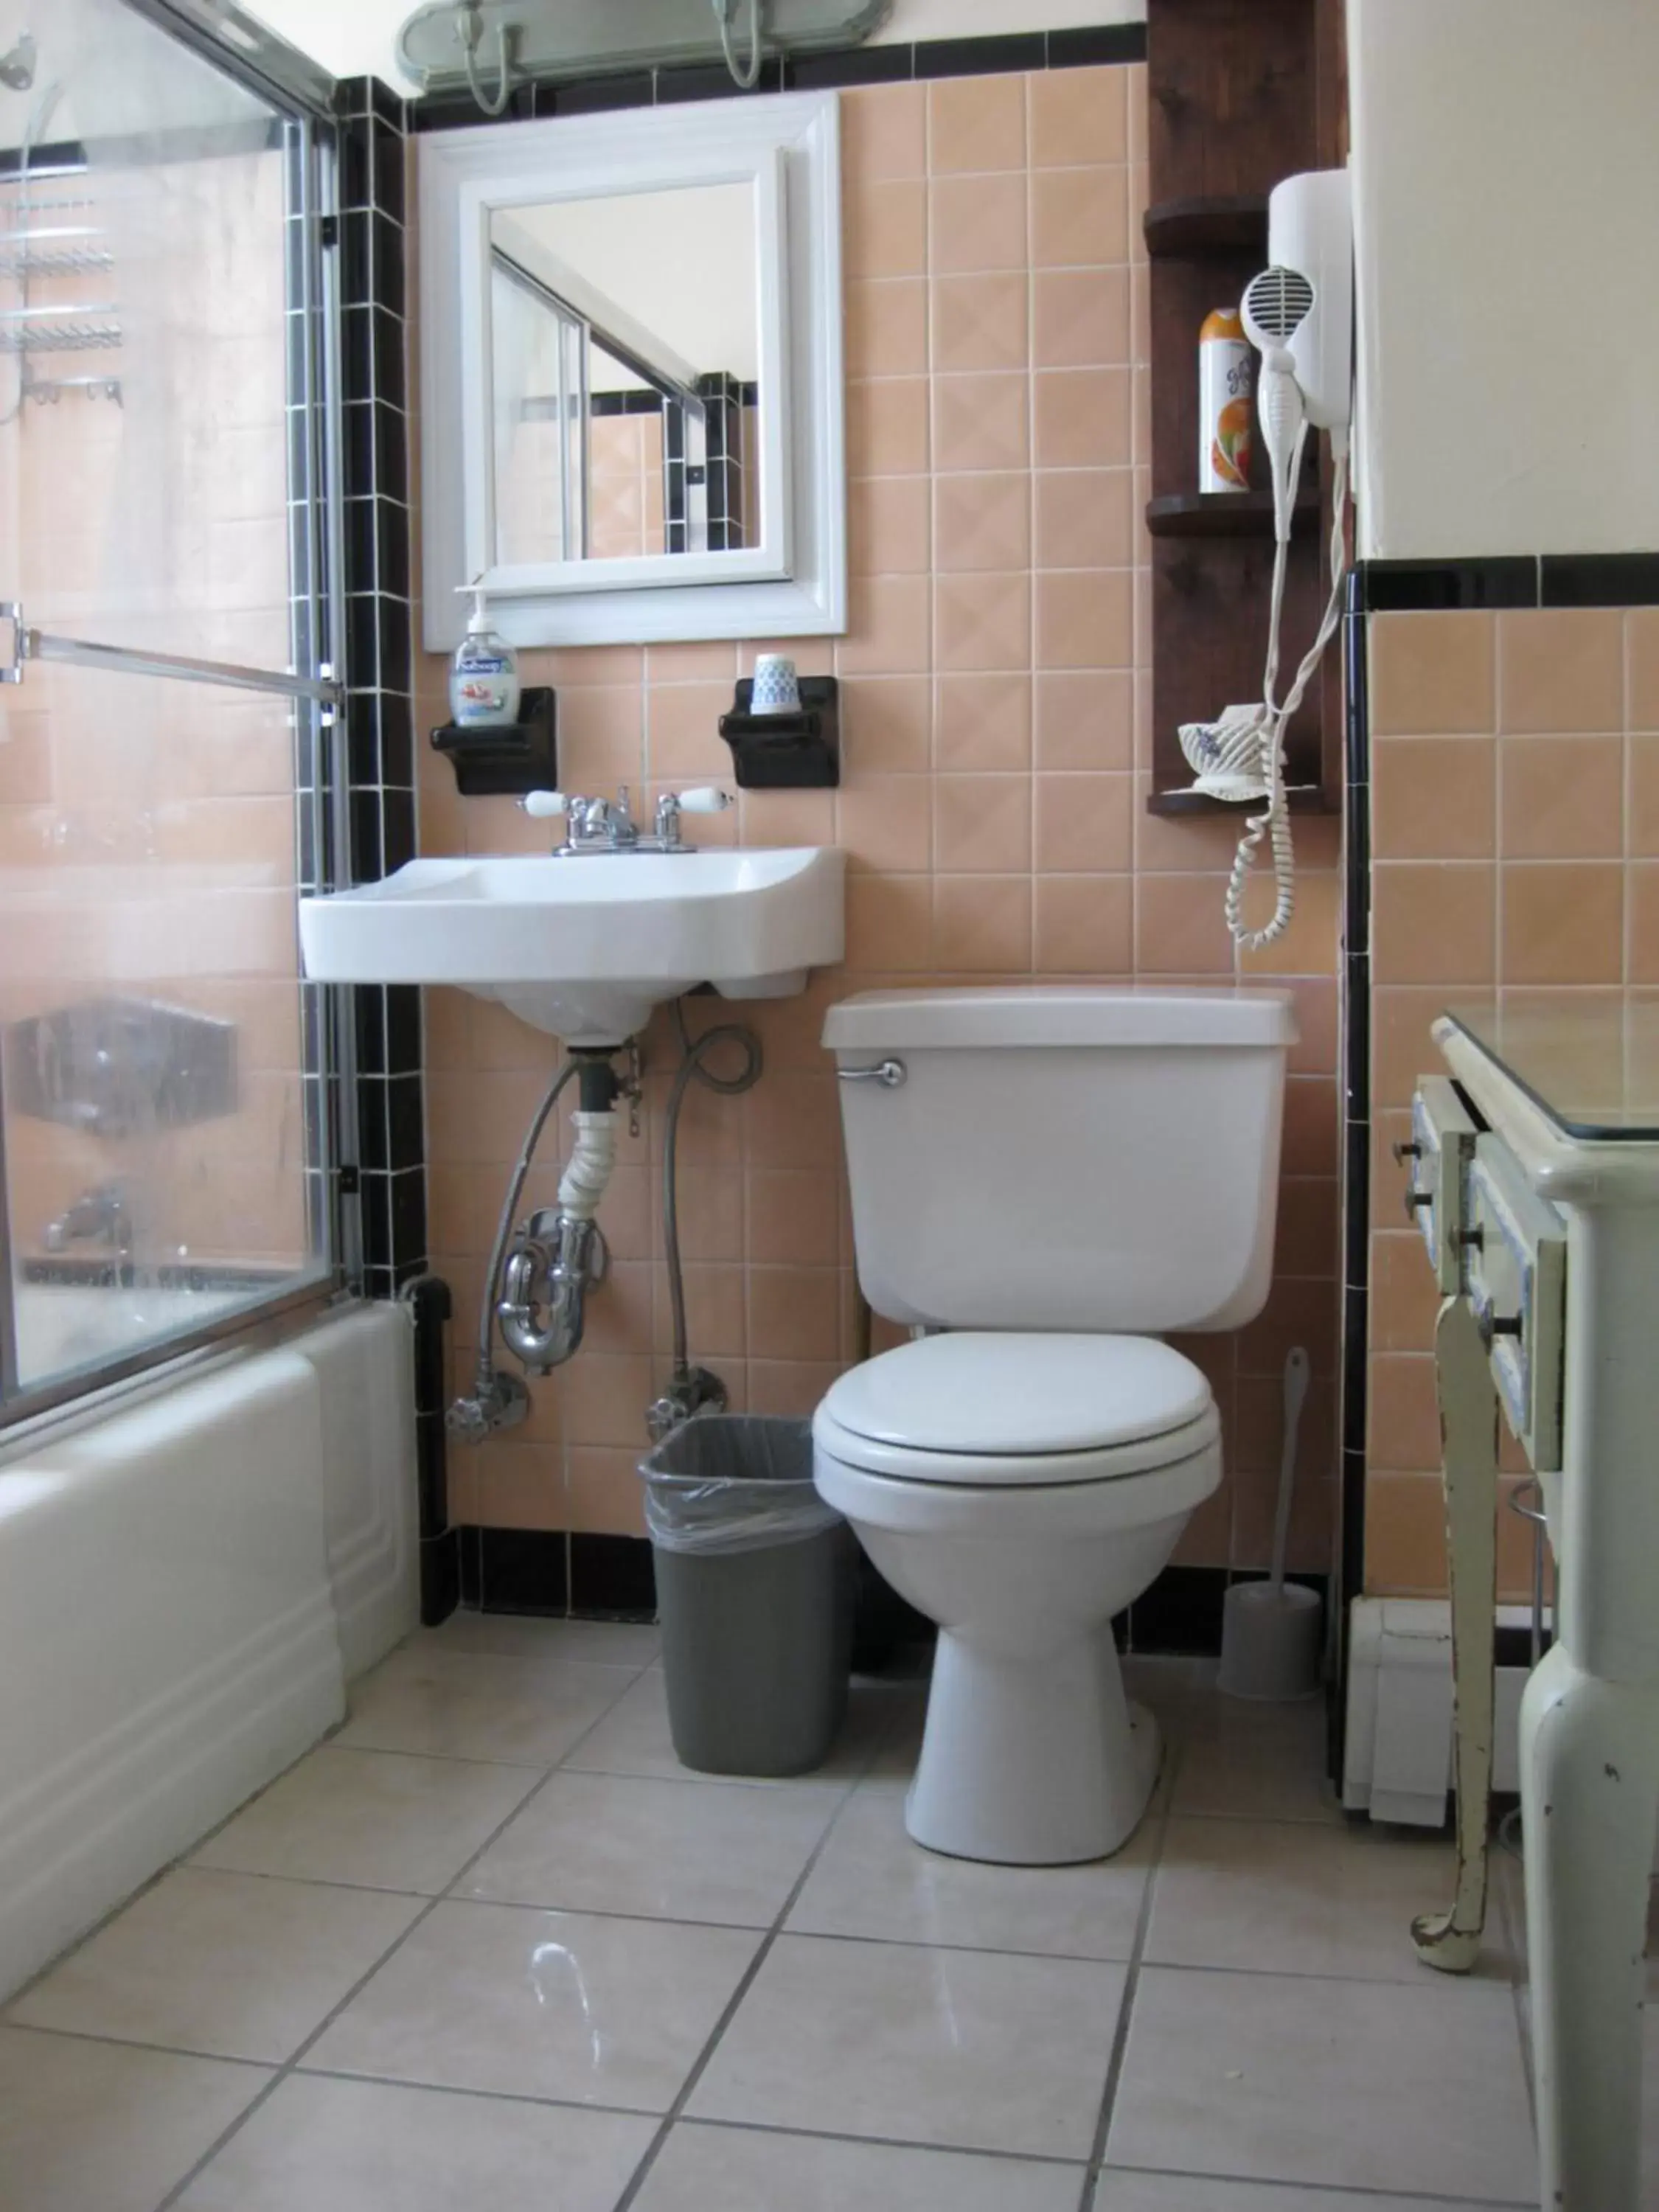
x=1298, y=313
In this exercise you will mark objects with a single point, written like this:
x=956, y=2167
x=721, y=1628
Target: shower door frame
x=301, y=94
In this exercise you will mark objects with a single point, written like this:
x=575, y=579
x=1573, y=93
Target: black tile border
x=612, y=1578
x=1088, y=46
x=1599, y=580
x=1181, y=1615
x=517, y=1570
x=1356, y=1050
x=579, y=1576
x=1498, y=582
x=379, y=705
x=1441, y=586
x=431, y=1304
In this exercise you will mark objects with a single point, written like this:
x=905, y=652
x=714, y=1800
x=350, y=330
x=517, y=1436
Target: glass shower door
x=162, y=799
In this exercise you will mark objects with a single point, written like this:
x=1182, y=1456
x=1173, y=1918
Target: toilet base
x=1032, y=1761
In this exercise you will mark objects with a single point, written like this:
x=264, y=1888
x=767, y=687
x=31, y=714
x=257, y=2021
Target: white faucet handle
x=705, y=798
x=541, y=804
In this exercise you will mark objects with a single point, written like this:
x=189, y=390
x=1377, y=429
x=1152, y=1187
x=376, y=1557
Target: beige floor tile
x=670, y=1850
x=323, y=2146
x=739, y=2170
x=1166, y=2192
x=472, y=1705
x=1252, y=1762
x=516, y=1636
x=634, y=1737
x=1342, y=2085
x=541, y=2004
x=968, y=2049
x=871, y=1879
x=97, y=2127
x=1283, y=1896
x=233, y=1965
x=370, y=1818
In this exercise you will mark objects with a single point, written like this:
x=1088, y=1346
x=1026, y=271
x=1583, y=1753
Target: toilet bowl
x=1021, y=1490
x=1044, y=1180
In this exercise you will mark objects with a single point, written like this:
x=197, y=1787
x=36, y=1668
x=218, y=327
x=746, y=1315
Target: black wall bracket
x=507, y=758
x=795, y=751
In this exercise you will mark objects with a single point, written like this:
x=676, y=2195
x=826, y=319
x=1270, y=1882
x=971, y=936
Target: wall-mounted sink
x=586, y=946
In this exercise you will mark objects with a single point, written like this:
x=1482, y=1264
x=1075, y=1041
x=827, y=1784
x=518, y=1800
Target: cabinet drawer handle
x=1403, y=1152
x=1492, y=1326
x=1414, y=1199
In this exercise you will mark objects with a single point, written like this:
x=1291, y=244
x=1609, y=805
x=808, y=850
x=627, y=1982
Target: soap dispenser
x=483, y=676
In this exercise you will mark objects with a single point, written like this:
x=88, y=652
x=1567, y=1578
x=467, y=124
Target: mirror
x=625, y=375
x=631, y=368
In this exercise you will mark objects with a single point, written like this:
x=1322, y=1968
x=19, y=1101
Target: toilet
x=1045, y=1181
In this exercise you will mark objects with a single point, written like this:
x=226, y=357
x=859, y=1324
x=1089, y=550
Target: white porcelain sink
x=586, y=946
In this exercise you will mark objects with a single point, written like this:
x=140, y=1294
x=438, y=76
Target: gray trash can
x=755, y=1586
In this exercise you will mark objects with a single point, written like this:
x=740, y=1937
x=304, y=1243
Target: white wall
x=358, y=37
x=1506, y=169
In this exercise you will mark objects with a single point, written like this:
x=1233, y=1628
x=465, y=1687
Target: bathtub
x=188, y=1580
x=63, y=1326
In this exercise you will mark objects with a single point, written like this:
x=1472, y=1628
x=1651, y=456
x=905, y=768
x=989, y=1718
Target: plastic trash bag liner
x=733, y=1482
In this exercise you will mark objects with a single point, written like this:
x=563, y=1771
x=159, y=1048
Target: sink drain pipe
x=561, y=1246
x=560, y=1255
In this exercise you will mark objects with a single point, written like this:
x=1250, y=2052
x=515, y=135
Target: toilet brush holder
x=1272, y=1641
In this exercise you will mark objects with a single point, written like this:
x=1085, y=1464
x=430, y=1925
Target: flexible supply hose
x=691, y=1070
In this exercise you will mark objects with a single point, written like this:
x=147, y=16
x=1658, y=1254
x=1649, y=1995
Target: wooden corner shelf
x=1302, y=798
x=1225, y=514
x=1207, y=222
x=1240, y=95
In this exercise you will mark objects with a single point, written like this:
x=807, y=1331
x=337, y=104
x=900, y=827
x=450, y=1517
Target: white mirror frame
x=788, y=144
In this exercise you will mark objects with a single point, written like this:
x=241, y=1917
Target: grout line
x=746, y=1982
x=131, y=2042
x=420, y=1920
x=1164, y=1786
x=892, y=2142
x=1341, y=2190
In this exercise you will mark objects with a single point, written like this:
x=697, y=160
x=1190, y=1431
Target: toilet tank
x=1064, y=1158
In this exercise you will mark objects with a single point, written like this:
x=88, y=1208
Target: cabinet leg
x=1469, y=1425
x=1589, y=1796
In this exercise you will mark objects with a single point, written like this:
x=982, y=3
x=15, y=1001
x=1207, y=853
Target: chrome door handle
x=890, y=1074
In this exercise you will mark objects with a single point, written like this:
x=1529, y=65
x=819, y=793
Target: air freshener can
x=1226, y=385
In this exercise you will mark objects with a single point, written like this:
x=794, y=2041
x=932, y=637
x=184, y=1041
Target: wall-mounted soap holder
x=799, y=750
x=505, y=759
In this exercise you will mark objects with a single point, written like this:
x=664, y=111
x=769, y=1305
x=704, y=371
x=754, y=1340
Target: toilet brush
x=1270, y=1630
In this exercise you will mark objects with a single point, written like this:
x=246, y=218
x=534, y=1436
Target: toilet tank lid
x=994, y=1393
x=1059, y=1014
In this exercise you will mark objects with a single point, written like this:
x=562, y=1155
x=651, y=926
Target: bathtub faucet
x=97, y=1216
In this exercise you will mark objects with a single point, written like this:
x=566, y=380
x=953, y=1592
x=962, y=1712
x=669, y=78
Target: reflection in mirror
x=624, y=350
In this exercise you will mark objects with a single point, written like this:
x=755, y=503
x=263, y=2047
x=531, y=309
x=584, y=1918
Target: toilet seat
x=969, y=1504
x=1001, y=1410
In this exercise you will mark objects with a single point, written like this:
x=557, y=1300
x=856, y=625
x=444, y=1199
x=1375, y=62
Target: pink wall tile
x=990, y=807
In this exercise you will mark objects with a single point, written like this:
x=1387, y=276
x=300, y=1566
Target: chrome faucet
x=97, y=1216
x=597, y=825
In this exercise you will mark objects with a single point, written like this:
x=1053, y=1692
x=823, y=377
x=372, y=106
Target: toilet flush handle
x=890, y=1074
